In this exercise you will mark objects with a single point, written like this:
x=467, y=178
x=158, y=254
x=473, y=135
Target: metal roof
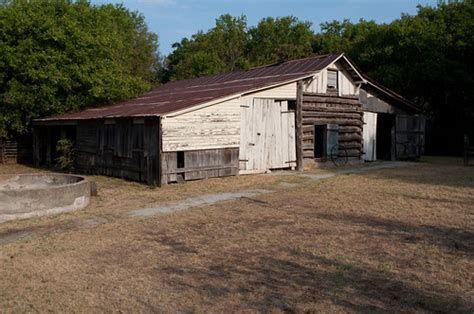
x=179, y=95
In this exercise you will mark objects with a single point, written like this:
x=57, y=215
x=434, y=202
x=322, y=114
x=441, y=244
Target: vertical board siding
x=409, y=136
x=268, y=136
x=370, y=136
x=200, y=164
x=216, y=126
x=121, y=149
x=346, y=86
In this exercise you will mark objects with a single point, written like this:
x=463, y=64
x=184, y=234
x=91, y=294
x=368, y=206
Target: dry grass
x=388, y=240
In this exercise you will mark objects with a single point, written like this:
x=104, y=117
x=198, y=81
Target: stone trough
x=32, y=195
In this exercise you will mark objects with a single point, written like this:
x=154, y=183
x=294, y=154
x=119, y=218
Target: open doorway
x=385, y=125
x=320, y=138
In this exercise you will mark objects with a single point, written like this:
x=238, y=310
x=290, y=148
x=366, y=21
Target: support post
x=36, y=147
x=299, y=126
x=48, y=146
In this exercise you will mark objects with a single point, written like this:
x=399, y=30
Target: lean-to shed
x=284, y=115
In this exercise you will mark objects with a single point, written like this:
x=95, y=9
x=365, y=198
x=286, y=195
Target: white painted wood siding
x=319, y=83
x=268, y=136
x=287, y=91
x=370, y=136
x=216, y=126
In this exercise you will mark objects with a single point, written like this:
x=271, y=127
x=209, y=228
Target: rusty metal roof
x=179, y=95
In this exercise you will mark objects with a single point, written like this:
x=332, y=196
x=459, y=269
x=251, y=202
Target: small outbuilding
x=288, y=115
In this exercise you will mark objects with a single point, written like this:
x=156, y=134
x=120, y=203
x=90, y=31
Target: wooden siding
x=18, y=150
x=200, y=164
x=216, y=126
x=8, y=151
x=346, y=112
x=112, y=147
x=409, y=136
x=370, y=136
x=287, y=91
x=345, y=84
x=373, y=103
x=268, y=136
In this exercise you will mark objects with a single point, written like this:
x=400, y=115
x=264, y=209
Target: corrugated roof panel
x=179, y=95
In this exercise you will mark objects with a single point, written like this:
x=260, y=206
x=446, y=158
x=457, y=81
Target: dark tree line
x=64, y=55
x=428, y=58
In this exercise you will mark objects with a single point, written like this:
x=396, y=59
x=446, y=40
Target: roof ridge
x=258, y=67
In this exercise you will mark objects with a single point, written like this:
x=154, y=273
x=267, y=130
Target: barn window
x=332, y=81
x=179, y=160
x=291, y=105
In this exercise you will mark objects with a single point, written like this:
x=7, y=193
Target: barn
x=289, y=115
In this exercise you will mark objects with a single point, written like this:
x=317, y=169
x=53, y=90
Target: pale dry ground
x=386, y=240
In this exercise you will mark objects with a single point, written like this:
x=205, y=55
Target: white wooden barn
x=282, y=116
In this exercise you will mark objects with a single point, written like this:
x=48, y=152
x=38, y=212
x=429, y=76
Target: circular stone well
x=31, y=195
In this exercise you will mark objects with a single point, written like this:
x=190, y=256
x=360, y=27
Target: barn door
x=370, y=136
x=409, y=136
x=267, y=136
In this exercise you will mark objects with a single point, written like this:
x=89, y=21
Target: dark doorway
x=385, y=125
x=320, y=135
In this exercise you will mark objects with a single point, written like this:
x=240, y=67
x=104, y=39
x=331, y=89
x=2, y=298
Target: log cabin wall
x=324, y=109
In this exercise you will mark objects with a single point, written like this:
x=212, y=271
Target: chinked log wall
x=345, y=111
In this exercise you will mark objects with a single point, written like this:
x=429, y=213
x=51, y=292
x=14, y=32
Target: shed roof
x=179, y=95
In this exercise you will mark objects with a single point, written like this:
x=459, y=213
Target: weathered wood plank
x=299, y=125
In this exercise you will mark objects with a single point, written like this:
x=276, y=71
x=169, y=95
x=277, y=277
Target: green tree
x=279, y=39
x=218, y=50
x=58, y=56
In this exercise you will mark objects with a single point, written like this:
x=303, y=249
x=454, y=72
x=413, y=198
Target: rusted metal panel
x=184, y=94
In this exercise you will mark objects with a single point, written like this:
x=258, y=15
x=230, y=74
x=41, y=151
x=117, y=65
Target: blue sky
x=175, y=19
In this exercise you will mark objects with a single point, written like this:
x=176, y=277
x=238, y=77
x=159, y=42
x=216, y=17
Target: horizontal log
x=350, y=129
x=343, y=115
x=332, y=100
x=341, y=122
x=317, y=108
x=310, y=94
x=350, y=153
x=351, y=145
x=347, y=137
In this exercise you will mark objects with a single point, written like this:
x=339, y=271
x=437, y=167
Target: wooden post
x=36, y=147
x=299, y=126
x=158, y=157
x=48, y=146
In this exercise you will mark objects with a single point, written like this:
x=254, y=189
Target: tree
x=279, y=39
x=218, y=50
x=59, y=56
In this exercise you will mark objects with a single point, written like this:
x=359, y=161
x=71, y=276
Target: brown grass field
x=392, y=240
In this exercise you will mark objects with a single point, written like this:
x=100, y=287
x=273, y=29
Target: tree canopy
x=59, y=56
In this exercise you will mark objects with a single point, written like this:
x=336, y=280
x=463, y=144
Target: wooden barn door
x=370, y=136
x=409, y=136
x=267, y=136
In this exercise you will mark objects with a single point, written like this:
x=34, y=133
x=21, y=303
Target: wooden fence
x=8, y=151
